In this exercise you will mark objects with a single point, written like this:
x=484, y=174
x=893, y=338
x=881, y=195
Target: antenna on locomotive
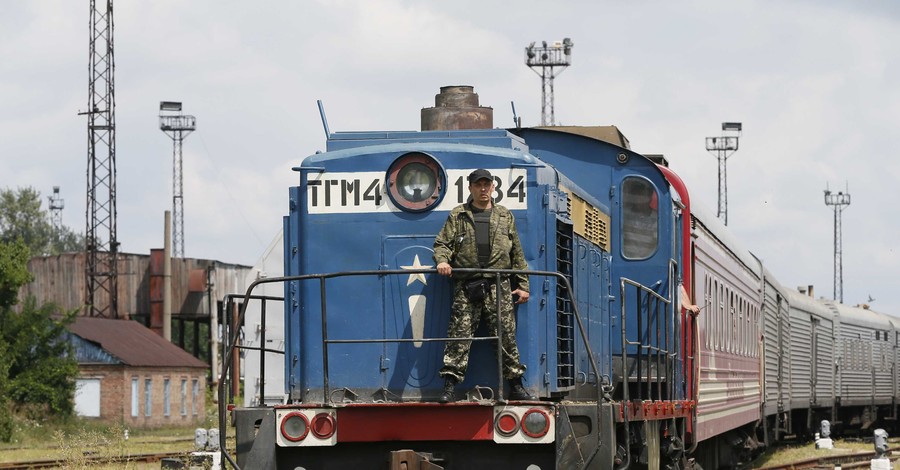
x=517, y=121
x=324, y=120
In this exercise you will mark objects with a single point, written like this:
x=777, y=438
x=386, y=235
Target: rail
x=227, y=362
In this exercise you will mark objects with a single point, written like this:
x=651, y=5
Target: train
x=624, y=373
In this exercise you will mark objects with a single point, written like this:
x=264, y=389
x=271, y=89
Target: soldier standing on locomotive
x=481, y=234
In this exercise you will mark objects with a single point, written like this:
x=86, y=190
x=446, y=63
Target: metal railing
x=499, y=275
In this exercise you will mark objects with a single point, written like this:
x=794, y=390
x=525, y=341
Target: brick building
x=130, y=375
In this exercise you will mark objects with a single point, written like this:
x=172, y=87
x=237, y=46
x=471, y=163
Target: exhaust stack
x=456, y=107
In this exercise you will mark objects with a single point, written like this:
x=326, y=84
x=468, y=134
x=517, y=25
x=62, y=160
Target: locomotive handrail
x=642, y=289
x=227, y=359
x=229, y=302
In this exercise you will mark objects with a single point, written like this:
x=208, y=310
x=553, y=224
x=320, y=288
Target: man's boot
x=517, y=391
x=447, y=394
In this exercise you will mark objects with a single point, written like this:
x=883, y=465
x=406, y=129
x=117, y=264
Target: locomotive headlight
x=535, y=423
x=295, y=427
x=415, y=182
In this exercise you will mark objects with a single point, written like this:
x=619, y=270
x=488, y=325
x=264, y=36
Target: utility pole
x=102, y=246
x=839, y=202
x=723, y=147
x=546, y=59
x=177, y=126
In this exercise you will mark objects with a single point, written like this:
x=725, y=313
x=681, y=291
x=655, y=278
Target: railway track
x=845, y=461
x=92, y=460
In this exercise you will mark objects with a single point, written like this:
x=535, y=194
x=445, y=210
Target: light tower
x=101, y=244
x=57, y=204
x=839, y=201
x=723, y=147
x=546, y=59
x=177, y=126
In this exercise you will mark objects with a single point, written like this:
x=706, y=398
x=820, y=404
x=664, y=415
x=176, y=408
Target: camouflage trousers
x=464, y=320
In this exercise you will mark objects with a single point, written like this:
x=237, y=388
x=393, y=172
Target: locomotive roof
x=610, y=134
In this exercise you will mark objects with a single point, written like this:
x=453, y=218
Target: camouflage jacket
x=455, y=243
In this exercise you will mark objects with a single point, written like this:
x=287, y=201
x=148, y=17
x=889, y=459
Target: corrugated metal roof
x=133, y=343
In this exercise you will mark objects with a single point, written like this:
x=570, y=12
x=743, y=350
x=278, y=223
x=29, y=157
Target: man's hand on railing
x=444, y=269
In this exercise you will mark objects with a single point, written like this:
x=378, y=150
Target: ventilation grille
x=589, y=222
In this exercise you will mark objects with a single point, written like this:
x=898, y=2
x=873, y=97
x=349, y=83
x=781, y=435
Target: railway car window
x=722, y=299
x=640, y=218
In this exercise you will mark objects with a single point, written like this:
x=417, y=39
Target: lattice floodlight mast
x=57, y=204
x=839, y=201
x=177, y=126
x=723, y=147
x=101, y=244
x=544, y=61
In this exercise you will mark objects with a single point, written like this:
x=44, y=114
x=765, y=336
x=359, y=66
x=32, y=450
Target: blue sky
x=813, y=82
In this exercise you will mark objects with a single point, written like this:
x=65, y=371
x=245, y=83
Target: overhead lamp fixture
x=170, y=106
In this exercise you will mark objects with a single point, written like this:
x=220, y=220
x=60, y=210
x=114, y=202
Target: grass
x=792, y=453
x=72, y=440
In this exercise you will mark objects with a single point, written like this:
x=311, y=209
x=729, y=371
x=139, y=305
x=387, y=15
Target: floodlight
x=731, y=126
x=170, y=106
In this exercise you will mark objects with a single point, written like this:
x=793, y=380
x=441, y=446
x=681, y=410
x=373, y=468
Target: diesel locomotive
x=624, y=375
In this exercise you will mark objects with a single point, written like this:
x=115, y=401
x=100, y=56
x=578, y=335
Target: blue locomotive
x=624, y=374
x=366, y=315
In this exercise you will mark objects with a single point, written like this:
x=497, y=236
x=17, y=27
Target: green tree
x=21, y=217
x=42, y=367
x=14, y=273
x=37, y=367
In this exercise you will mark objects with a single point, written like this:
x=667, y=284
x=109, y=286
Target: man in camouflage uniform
x=481, y=234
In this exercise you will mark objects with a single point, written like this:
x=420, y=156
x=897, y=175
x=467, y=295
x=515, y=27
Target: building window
x=167, y=402
x=195, y=394
x=183, y=397
x=135, y=398
x=148, y=384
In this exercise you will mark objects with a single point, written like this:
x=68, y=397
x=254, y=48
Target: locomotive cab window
x=640, y=218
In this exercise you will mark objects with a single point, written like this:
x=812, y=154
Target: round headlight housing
x=323, y=426
x=535, y=423
x=415, y=182
x=295, y=426
x=507, y=424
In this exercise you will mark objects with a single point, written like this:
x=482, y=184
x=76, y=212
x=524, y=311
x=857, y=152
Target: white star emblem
x=416, y=276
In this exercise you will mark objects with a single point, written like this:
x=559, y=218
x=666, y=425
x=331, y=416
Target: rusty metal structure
x=456, y=107
x=101, y=244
